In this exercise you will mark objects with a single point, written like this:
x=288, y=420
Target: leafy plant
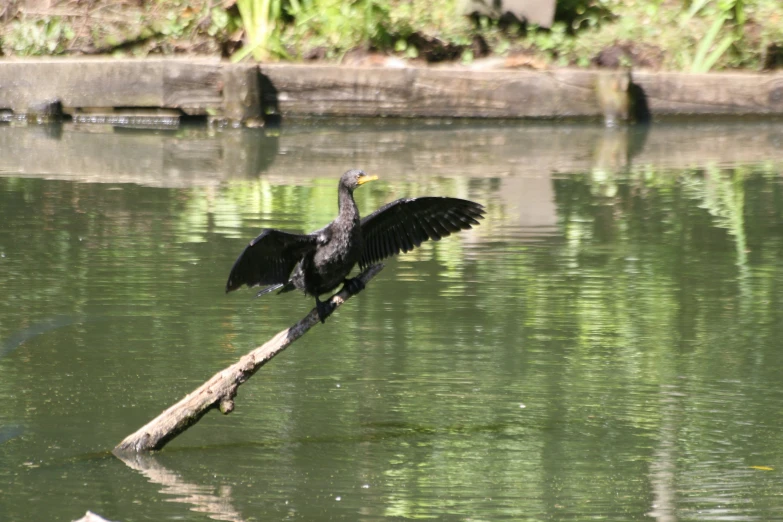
x=274, y=27
x=259, y=19
x=340, y=25
x=708, y=53
x=704, y=60
x=38, y=37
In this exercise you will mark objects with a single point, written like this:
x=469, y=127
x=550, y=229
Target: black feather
x=406, y=223
x=269, y=258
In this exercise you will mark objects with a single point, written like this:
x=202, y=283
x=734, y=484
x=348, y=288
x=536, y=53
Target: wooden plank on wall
x=327, y=90
x=209, y=86
x=713, y=94
x=82, y=83
x=193, y=85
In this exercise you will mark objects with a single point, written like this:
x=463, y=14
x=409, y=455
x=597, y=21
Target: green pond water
x=607, y=345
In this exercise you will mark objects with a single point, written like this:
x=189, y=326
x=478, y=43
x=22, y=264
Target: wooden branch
x=220, y=390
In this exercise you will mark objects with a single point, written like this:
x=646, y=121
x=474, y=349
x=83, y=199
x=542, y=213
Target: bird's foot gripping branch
x=325, y=308
x=220, y=390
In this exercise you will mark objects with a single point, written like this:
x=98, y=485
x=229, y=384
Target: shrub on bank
x=695, y=35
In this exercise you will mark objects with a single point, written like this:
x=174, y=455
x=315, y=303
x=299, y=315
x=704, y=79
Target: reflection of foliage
x=646, y=214
x=724, y=198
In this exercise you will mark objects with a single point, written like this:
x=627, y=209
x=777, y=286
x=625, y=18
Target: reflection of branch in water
x=201, y=497
x=663, y=468
x=41, y=327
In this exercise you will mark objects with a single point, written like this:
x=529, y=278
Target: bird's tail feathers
x=268, y=289
x=284, y=287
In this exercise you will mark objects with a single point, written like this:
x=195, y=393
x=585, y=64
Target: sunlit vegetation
x=697, y=36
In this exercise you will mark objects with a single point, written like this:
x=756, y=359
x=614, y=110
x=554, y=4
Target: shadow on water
x=44, y=326
x=10, y=432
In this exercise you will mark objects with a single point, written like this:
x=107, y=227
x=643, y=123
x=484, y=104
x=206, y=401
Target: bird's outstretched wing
x=269, y=258
x=406, y=223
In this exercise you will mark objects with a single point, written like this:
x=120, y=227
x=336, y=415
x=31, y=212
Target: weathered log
x=220, y=390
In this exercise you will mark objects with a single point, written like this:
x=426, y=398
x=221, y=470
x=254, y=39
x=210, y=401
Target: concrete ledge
x=238, y=92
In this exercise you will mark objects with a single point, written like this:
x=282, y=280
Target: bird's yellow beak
x=364, y=179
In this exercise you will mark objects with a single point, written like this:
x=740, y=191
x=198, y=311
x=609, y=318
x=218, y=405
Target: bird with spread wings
x=320, y=261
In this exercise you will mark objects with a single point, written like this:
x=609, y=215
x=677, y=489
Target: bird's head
x=354, y=178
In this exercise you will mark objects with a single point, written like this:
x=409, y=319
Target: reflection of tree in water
x=611, y=221
x=669, y=270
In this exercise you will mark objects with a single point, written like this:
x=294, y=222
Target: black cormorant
x=318, y=262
